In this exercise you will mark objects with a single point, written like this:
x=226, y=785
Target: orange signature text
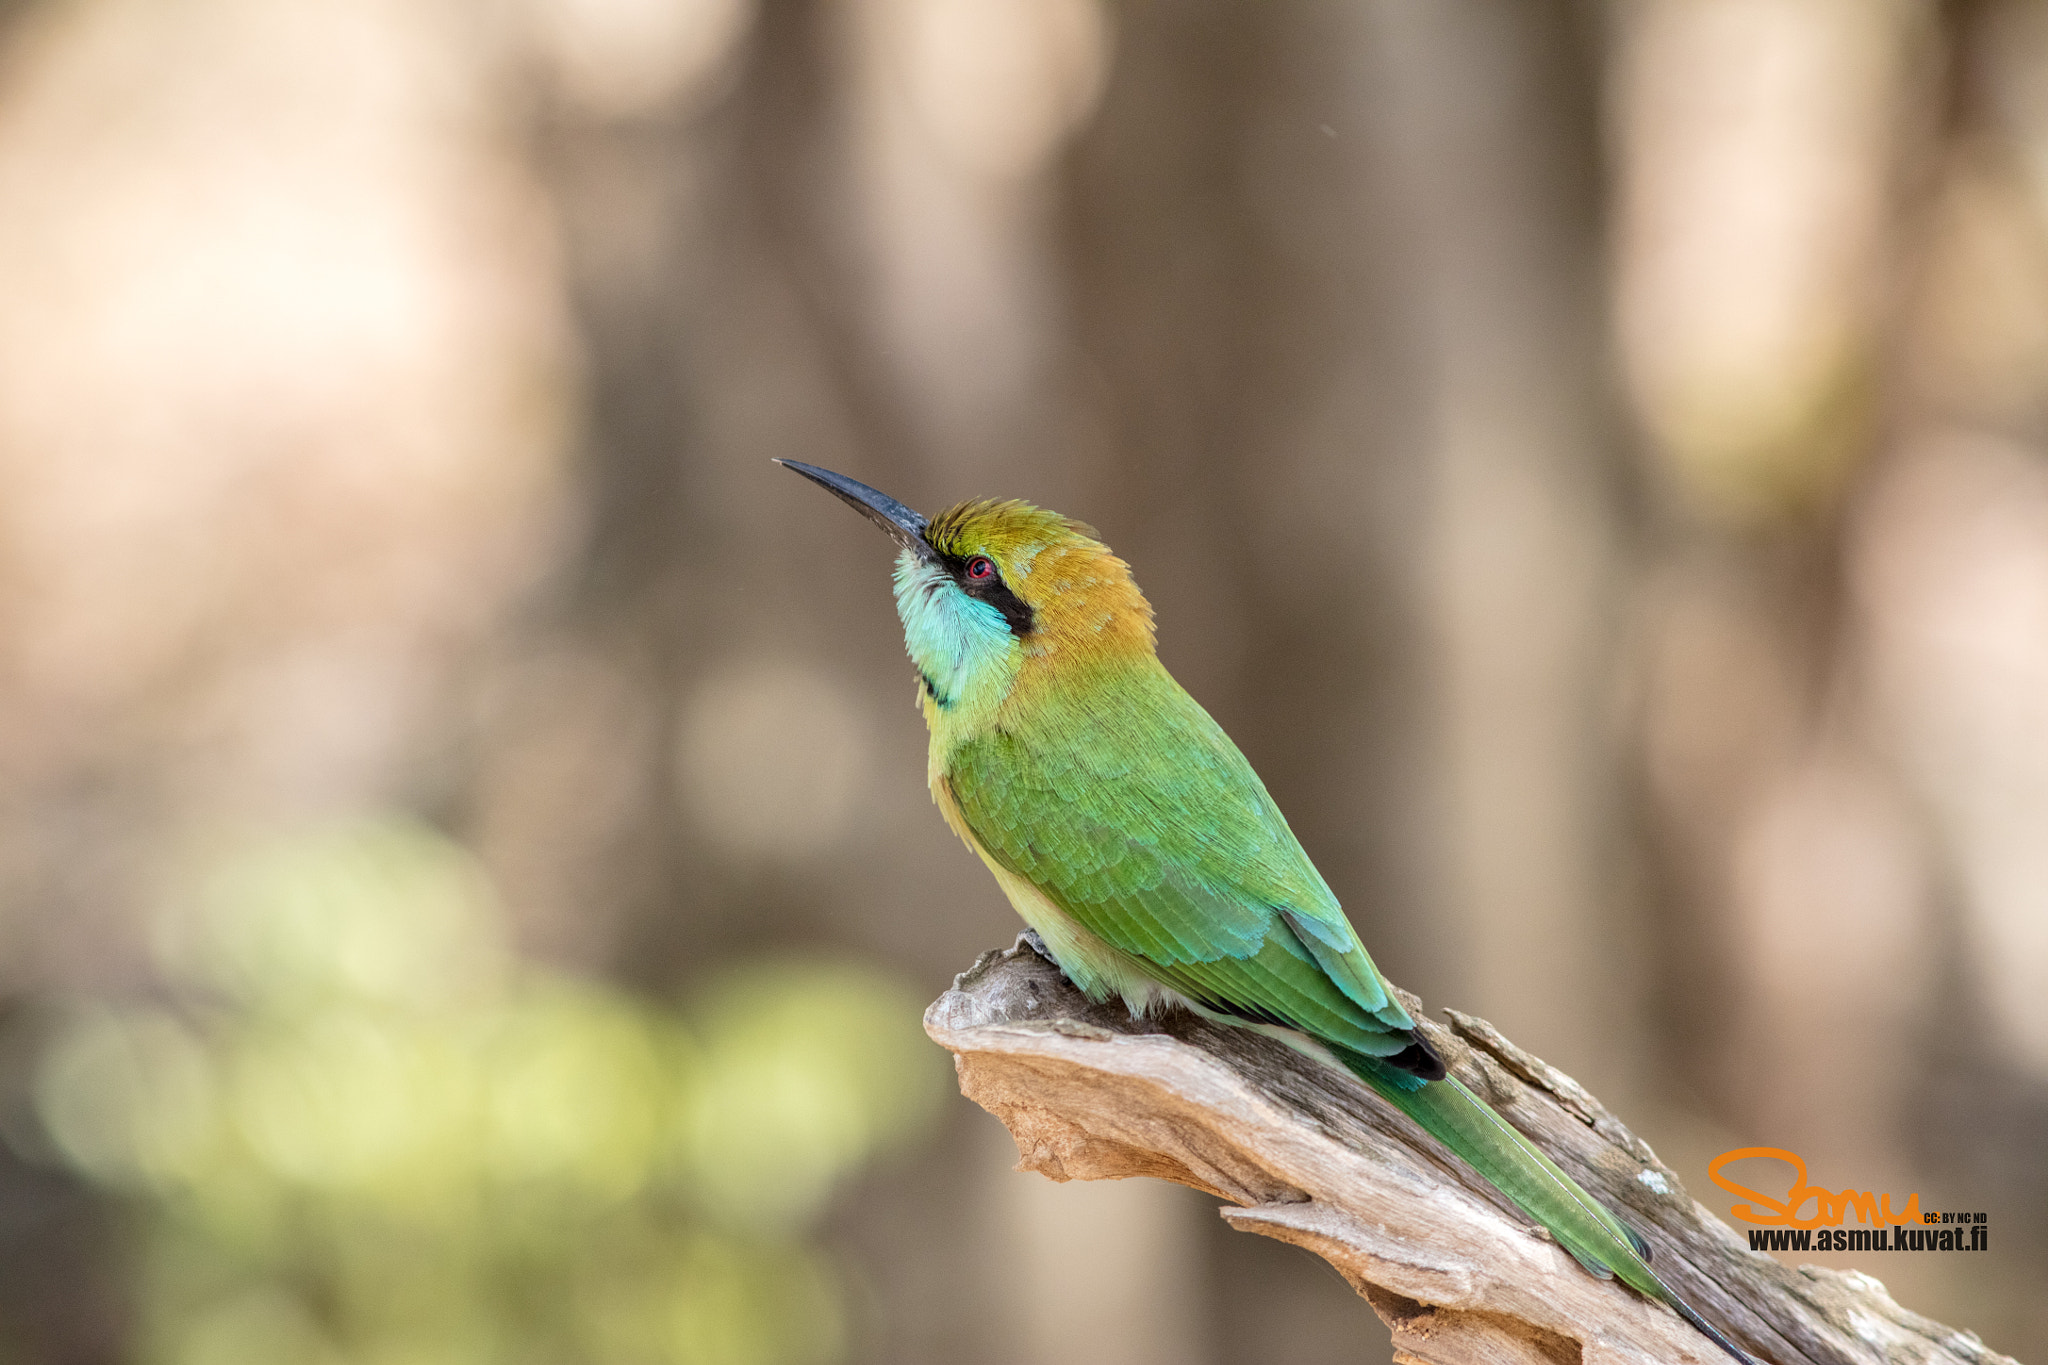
x=1828, y=1205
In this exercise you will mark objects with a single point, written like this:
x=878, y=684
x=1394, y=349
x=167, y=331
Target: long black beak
x=884, y=511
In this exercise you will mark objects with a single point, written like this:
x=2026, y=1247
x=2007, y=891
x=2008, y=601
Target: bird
x=1141, y=848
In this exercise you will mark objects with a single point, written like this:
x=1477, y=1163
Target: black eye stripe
x=1017, y=613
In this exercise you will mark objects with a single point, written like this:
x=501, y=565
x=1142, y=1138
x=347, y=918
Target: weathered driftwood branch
x=1306, y=1155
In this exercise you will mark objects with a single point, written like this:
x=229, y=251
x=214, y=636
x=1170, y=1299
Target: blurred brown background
x=466, y=882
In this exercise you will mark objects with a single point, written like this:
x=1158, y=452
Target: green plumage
x=1130, y=832
x=1466, y=1124
x=1128, y=806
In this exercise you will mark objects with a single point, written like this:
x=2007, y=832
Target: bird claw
x=1030, y=939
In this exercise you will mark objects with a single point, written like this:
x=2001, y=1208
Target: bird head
x=991, y=590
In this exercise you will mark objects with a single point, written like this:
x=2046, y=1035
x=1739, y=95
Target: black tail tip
x=1713, y=1333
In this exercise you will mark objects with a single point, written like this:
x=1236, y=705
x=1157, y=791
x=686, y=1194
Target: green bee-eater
x=1131, y=834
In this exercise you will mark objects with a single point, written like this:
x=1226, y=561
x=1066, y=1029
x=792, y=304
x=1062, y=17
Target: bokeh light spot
x=769, y=759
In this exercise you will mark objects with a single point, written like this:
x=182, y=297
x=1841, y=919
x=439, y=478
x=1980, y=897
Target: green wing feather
x=1145, y=824
x=1142, y=821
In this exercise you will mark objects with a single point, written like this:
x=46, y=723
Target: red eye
x=981, y=566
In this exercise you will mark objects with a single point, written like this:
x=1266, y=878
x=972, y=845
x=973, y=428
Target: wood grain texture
x=1303, y=1153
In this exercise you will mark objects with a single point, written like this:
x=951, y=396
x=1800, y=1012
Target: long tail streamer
x=1599, y=1241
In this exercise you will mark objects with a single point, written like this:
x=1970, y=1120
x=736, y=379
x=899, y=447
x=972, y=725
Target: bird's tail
x=1599, y=1241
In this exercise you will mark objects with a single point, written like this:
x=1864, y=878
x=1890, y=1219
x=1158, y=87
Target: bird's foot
x=1030, y=939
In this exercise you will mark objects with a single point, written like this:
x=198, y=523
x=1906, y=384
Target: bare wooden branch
x=1305, y=1154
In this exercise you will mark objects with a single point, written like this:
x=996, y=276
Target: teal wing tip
x=1635, y=1240
x=1592, y=1265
